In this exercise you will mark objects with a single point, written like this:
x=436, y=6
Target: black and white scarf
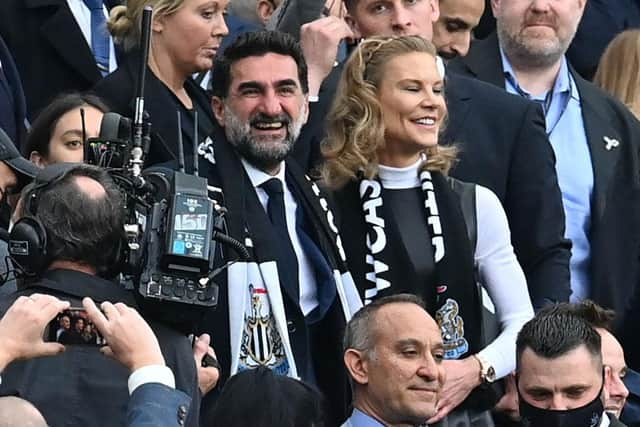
x=248, y=222
x=452, y=296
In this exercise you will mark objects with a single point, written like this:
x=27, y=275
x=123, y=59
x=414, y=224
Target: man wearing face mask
x=560, y=374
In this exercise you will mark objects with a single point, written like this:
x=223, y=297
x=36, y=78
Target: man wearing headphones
x=66, y=241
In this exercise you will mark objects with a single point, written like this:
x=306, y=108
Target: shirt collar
x=564, y=82
x=605, y=421
x=259, y=177
x=360, y=419
x=400, y=178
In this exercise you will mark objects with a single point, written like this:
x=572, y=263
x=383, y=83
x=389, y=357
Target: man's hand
x=22, y=328
x=207, y=376
x=319, y=40
x=462, y=377
x=509, y=404
x=129, y=338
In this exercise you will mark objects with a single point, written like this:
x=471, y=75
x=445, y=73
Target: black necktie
x=287, y=260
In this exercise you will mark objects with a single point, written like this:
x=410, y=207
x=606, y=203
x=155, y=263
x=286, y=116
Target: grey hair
x=359, y=333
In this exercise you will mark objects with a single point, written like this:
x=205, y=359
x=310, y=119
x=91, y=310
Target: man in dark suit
x=51, y=42
x=286, y=307
x=503, y=147
x=595, y=138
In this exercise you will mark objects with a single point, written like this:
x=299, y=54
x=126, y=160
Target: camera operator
x=66, y=240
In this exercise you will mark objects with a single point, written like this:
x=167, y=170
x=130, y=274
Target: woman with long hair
x=407, y=227
x=185, y=37
x=60, y=131
x=619, y=69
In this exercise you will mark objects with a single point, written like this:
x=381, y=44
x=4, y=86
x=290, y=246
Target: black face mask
x=589, y=415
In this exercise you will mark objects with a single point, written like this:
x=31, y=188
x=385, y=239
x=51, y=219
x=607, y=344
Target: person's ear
x=351, y=22
x=608, y=380
x=37, y=159
x=305, y=112
x=495, y=6
x=357, y=365
x=217, y=104
x=265, y=9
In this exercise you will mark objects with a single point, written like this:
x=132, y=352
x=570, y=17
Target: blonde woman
x=619, y=69
x=185, y=37
x=406, y=227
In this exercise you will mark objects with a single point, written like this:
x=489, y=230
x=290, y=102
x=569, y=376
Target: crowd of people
x=507, y=295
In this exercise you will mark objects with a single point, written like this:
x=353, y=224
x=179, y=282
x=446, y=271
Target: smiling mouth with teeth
x=268, y=126
x=426, y=121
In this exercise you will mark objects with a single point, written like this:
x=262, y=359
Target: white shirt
x=499, y=270
x=82, y=15
x=151, y=374
x=306, y=277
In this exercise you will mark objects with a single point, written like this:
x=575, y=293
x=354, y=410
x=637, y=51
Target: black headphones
x=28, y=237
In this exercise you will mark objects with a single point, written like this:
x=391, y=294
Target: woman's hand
x=462, y=376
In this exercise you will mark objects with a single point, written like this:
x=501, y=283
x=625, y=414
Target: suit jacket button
x=291, y=327
x=182, y=414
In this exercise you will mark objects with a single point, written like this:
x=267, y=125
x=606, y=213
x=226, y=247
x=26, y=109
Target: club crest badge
x=452, y=330
x=261, y=343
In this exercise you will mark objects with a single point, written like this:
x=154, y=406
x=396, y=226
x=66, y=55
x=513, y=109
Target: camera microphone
x=110, y=148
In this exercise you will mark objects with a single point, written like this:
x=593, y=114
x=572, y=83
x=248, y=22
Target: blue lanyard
x=546, y=104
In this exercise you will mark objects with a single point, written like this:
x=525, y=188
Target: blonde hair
x=125, y=22
x=619, y=69
x=355, y=126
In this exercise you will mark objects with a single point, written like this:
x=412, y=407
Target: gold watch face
x=491, y=374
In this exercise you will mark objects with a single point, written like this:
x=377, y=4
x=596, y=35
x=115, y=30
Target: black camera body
x=179, y=245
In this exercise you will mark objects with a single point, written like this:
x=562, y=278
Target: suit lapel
x=458, y=103
x=598, y=127
x=245, y=209
x=63, y=32
x=484, y=61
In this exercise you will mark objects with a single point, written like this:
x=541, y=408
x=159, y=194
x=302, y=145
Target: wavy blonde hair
x=619, y=69
x=355, y=126
x=125, y=22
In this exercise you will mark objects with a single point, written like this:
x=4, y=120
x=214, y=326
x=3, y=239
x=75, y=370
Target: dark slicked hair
x=554, y=332
x=595, y=315
x=261, y=398
x=258, y=43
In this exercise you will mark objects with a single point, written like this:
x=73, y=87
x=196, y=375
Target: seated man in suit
x=560, y=372
x=502, y=139
x=58, y=46
x=286, y=307
x=393, y=353
x=595, y=138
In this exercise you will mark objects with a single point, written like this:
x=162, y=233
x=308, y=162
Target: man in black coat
x=502, y=139
x=47, y=40
x=596, y=139
x=79, y=210
x=286, y=307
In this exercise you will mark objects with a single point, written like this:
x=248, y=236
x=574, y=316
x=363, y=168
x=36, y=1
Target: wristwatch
x=487, y=372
